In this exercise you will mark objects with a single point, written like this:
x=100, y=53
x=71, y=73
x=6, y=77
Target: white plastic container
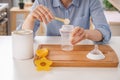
x=65, y=37
x=22, y=44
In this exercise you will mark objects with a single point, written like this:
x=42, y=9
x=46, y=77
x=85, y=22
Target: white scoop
x=65, y=21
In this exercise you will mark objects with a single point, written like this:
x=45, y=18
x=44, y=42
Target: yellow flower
x=42, y=52
x=43, y=64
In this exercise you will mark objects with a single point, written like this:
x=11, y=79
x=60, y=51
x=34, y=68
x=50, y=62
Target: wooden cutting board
x=77, y=57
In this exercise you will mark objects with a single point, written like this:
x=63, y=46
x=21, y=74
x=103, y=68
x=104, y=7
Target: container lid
x=22, y=32
x=67, y=27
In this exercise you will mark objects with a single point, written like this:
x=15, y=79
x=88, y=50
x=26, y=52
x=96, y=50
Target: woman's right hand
x=42, y=13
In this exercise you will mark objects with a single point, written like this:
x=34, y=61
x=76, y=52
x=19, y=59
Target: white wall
x=15, y=2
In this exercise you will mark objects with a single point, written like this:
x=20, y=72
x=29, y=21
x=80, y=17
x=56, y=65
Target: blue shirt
x=79, y=13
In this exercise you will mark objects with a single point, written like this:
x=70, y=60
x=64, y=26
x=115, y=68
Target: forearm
x=94, y=35
x=28, y=23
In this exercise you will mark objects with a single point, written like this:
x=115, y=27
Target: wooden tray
x=77, y=57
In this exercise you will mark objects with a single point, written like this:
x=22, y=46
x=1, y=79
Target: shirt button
x=66, y=14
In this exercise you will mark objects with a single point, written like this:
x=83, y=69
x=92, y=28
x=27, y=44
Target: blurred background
x=11, y=15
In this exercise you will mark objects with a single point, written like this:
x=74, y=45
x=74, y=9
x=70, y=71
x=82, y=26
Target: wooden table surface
x=13, y=69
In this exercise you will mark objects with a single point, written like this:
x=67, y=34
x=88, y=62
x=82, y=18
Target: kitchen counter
x=113, y=17
x=13, y=69
x=115, y=3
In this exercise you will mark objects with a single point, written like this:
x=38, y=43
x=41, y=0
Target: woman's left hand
x=77, y=35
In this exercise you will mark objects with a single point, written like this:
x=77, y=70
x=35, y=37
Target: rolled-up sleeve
x=99, y=20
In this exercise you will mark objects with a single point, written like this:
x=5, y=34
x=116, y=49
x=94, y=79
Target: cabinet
x=10, y=2
x=14, y=12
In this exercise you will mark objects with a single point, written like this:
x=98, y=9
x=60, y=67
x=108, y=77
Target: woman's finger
x=43, y=14
x=46, y=13
x=78, y=38
x=81, y=30
x=49, y=12
x=75, y=30
x=36, y=16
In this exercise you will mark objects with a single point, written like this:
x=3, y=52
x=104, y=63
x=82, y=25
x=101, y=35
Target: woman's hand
x=77, y=35
x=42, y=13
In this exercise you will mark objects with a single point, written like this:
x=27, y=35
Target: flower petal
x=39, y=68
x=37, y=62
x=42, y=52
x=47, y=68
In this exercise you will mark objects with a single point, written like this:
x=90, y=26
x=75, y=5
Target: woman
x=79, y=13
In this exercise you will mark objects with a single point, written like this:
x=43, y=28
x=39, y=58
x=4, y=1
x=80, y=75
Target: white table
x=12, y=69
